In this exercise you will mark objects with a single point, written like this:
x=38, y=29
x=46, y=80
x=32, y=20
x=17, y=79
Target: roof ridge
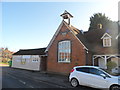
x=34, y=48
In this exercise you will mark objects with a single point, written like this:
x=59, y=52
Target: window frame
x=106, y=42
x=58, y=55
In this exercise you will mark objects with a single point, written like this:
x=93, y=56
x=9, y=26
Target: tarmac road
x=17, y=78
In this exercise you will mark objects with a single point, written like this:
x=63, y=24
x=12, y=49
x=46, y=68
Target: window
x=99, y=26
x=35, y=60
x=25, y=58
x=23, y=61
x=85, y=70
x=64, y=51
x=107, y=42
x=97, y=72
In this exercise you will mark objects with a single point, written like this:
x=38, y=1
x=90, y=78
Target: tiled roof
x=39, y=51
x=93, y=37
x=79, y=34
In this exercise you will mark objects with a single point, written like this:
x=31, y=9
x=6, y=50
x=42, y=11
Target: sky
x=29, y=25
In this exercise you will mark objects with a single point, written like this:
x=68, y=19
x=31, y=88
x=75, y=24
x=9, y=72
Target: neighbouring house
x=30, y=59
x=5, y=55
x=67, y=48
x=103, y=45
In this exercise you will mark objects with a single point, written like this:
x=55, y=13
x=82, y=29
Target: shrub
x=111, y=65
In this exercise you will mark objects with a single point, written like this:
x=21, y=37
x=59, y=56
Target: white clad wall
x=30, y=62
x=101, y=63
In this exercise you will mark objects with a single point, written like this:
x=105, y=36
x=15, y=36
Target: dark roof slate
x=93, y=37
x=39, y=51
x=79, y=34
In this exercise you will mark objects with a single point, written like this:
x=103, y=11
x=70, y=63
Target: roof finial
x=66, y=15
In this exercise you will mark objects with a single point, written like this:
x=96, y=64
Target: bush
x=111, y=65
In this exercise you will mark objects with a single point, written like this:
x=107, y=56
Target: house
x=103, y=43
x=30, y=59
x=5, y=55
x=71, y=47
x=67, y=48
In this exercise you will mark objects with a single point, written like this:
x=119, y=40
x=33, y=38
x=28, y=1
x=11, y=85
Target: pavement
x=3, y=65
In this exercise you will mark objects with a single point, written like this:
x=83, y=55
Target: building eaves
x=39, y=51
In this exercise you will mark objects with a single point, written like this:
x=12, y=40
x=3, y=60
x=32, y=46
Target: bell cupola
x=66, y=16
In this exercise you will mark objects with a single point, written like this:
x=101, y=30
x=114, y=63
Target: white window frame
x=35, y=58
x=107, y=42
x=66, y=49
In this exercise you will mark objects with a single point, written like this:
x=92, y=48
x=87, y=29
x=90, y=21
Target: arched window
x=64, y=51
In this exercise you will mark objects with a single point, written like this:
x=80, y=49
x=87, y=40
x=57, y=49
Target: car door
x=96, y=80
x=82, y=75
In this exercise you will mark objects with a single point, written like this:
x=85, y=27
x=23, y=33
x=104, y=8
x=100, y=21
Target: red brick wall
x=77, y=54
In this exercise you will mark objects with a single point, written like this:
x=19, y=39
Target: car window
x=84, y=69
x=97, y=72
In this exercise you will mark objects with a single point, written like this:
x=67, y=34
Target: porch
x=101, y=61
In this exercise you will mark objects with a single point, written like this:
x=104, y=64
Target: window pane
x=107, y=42
x=86, y=70
x=64, y=51
x=96, y=71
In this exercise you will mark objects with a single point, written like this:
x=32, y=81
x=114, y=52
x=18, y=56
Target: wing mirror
x=103, y=75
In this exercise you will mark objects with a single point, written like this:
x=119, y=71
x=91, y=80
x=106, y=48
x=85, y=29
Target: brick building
x=67, y=48
x=70, y=47
x=5, y=55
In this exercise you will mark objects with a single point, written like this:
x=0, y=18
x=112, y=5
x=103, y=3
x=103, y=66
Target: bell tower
x=66, y=16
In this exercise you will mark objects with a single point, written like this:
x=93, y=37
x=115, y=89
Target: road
x=16, y=78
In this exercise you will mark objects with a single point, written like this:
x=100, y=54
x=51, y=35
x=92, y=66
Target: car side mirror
x=103, y=75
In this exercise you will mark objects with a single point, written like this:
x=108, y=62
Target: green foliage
x=111, y=65
x=99, y=18
x=6, y=55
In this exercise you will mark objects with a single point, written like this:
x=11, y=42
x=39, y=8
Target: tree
x=99, y=19
x=5, y=55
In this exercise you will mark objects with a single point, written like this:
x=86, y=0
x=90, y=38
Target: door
x=97, y=80
x=101, y=63
x=82, y=75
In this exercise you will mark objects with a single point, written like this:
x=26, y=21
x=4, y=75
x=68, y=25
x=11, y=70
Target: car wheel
x=74, y=82
x=115, y=87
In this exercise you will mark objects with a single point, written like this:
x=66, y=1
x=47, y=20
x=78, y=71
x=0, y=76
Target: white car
x=93, y=76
